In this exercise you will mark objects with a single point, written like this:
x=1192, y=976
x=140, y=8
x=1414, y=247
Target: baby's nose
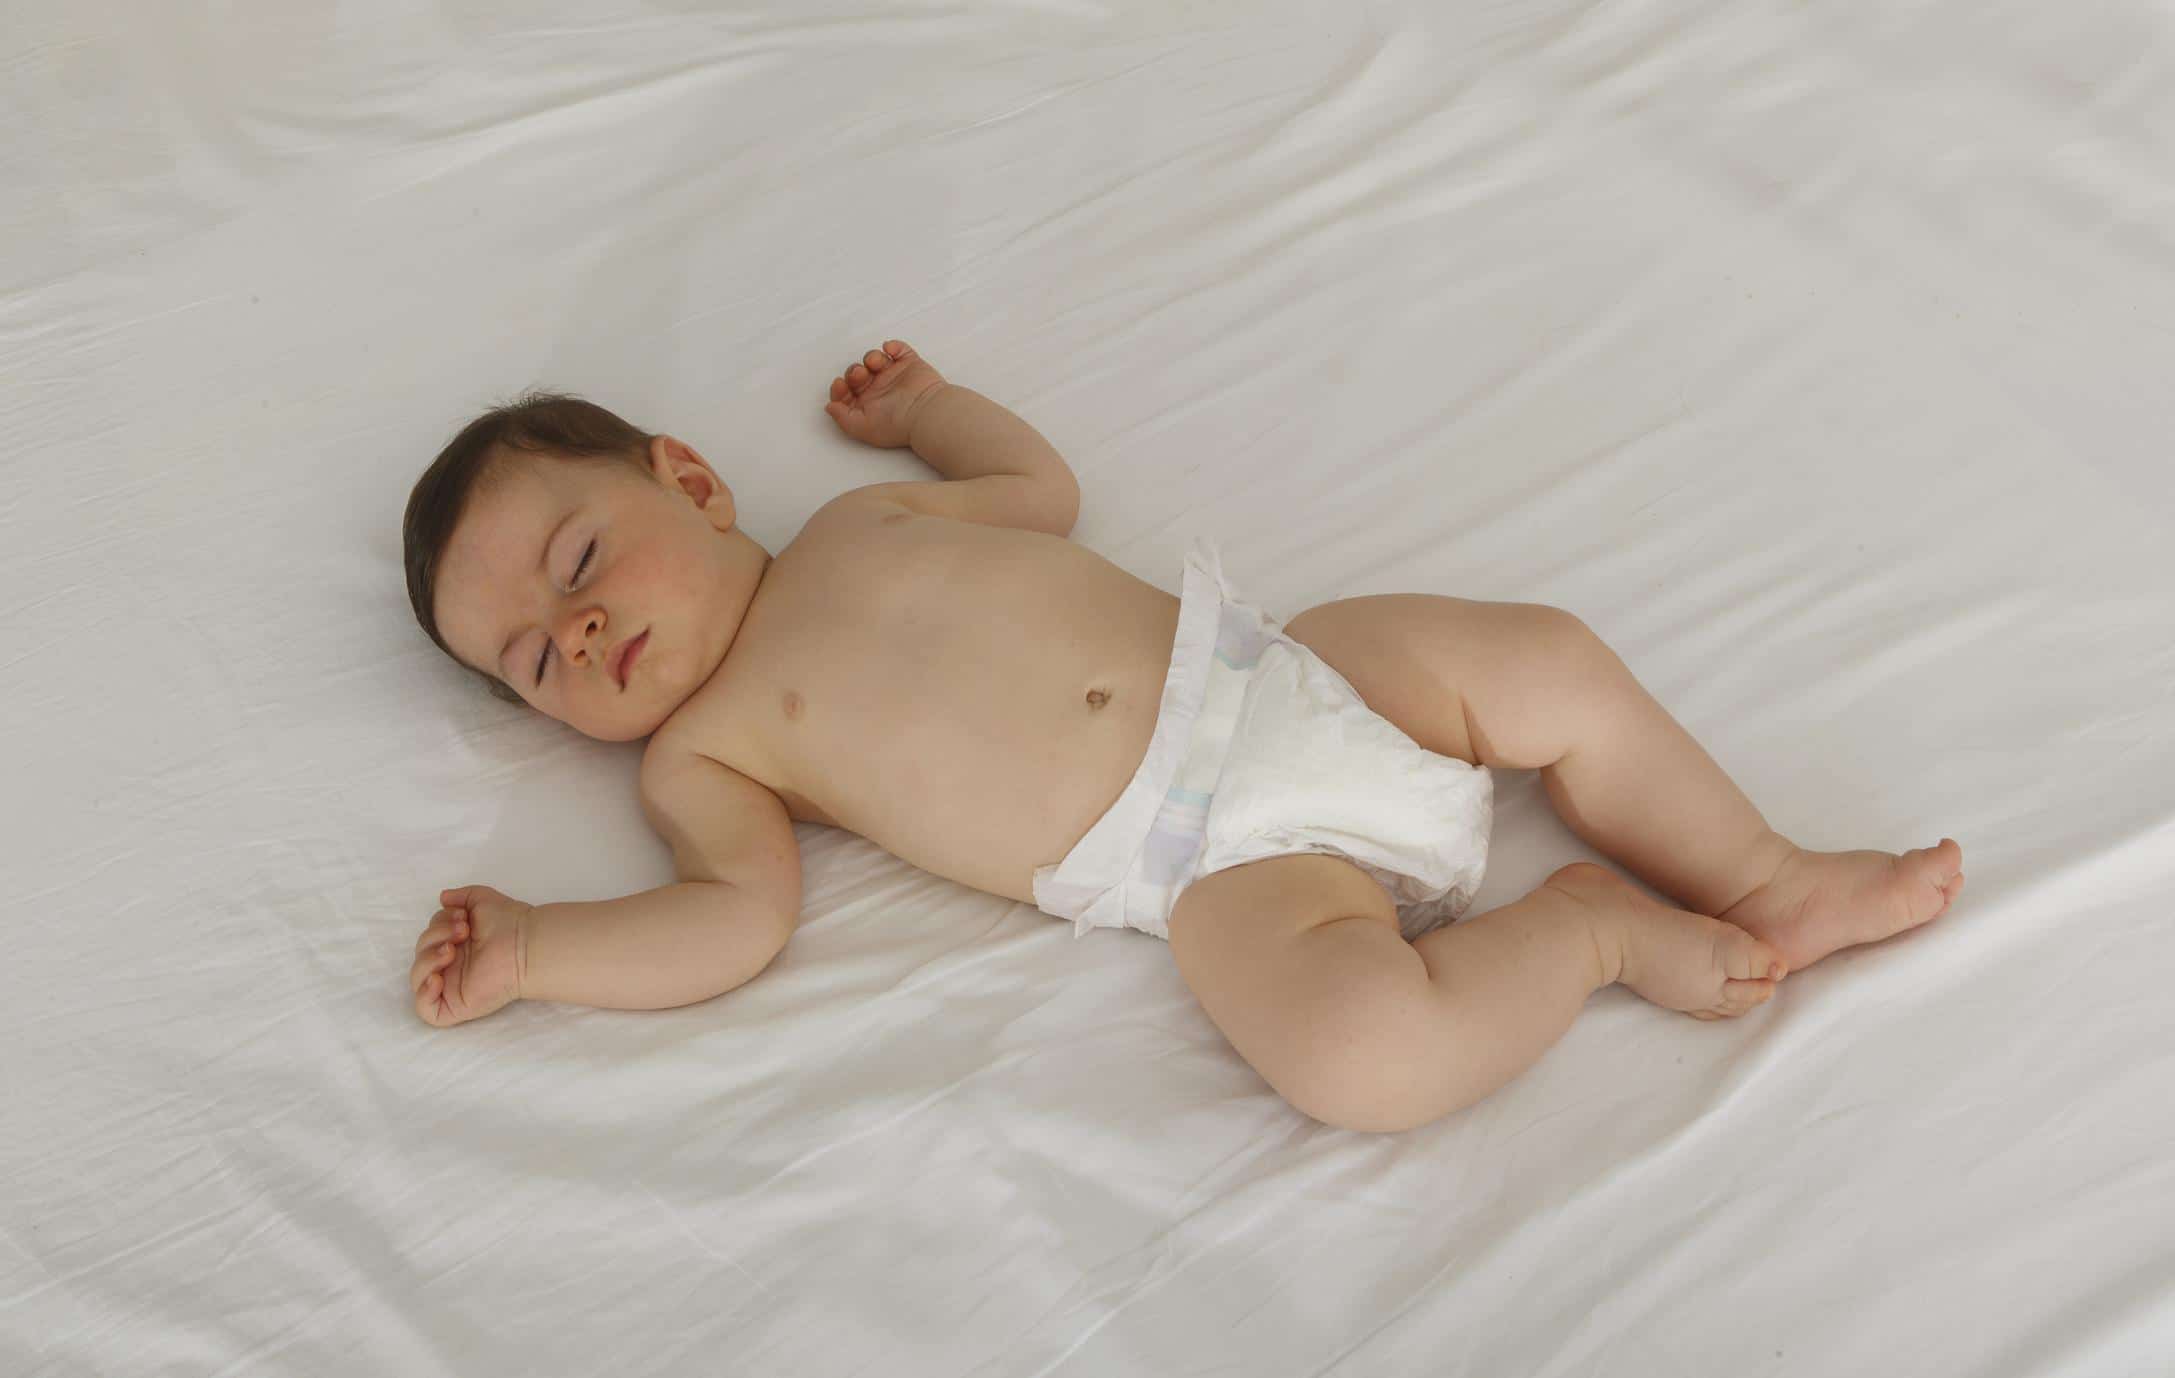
x=575, y=630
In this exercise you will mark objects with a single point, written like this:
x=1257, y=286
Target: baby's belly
x=982, y=775
x=986, y=811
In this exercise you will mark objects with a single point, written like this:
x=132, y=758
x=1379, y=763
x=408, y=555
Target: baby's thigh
x=1495, y=684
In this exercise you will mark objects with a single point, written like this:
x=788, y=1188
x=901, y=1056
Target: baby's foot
x=1673, y=957
x=1820, y=901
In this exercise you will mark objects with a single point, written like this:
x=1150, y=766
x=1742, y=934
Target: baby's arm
x=670, y=946
x=1000, y=469
x=736, y=904
x=962, y=434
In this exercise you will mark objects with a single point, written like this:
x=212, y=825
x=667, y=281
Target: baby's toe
x=1739, y=996
x=1932, y=873
x=1938, y=865
x=876, y=360
x=1745, y=958
x=857, y=377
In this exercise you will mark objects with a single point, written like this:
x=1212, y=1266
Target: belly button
x=1096, y=698
x=792, y=703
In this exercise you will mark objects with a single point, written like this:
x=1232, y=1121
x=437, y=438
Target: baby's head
x=550, y=538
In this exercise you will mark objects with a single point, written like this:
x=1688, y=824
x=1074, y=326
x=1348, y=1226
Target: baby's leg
x=1530, y=687
x=1299, y=962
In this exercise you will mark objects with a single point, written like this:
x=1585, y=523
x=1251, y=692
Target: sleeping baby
x=1301, y=809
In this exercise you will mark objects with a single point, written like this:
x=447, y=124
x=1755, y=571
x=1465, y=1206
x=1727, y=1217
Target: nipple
x=1096, y=698
x=792, y=703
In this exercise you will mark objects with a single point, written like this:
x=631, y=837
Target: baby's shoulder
x=668, y=755
x=722, y=825
x=849, y=512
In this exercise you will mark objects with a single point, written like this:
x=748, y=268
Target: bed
x=1816, y=356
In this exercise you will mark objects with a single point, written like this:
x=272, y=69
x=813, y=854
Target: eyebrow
x=543, y=559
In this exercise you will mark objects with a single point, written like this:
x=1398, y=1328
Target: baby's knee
x=1374, y=1067
x=1364, y=1101
x=1565, y=638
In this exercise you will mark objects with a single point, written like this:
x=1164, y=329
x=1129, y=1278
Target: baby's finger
x=447, y=927
x=440, y=926
x=465, y=897
x=434, y=958
x=427, y=1004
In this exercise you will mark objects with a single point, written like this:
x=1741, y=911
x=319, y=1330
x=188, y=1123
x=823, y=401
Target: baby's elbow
x=753, y=943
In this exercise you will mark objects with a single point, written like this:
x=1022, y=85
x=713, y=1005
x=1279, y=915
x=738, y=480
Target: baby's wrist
x=521, y=953
x=919, y=408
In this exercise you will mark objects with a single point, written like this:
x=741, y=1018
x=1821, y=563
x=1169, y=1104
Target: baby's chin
x=632, y=728
x=634, y=722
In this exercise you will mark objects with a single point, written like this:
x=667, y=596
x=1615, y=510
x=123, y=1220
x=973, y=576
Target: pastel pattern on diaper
x=1174, y=839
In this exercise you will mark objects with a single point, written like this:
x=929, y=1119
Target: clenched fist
x=468, y=961
x=874, y=401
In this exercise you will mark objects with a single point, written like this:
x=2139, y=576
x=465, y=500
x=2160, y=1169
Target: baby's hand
x=874, y=401
x=466, y=961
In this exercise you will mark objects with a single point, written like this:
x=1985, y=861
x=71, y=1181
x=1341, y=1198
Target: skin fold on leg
x=1298, y=961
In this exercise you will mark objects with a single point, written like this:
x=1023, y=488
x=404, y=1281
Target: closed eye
x=544, y=657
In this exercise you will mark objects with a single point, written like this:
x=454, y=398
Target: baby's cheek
x=680, y=582
x=651, y=570
x=671, y=583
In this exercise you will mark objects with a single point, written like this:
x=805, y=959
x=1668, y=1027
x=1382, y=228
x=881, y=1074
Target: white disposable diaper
x=1261, y=749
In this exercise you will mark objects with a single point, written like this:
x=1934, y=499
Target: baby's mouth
x=623, y=656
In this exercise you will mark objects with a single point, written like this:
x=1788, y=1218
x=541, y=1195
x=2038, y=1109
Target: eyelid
x=543, y=657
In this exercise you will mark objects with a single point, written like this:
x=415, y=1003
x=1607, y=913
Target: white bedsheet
x=1817, y=355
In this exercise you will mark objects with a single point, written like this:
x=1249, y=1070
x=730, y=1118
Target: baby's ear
x=676, y=465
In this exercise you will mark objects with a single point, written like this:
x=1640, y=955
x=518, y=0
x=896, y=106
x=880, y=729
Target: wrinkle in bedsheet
x=1815, y=356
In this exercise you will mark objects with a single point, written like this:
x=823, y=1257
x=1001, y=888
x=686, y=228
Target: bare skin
x=935, y=667
x=951, y=654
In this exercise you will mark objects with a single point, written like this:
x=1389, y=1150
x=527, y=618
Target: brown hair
x=543, y=423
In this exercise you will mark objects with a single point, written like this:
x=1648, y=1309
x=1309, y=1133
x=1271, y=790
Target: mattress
x=1816, y=356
